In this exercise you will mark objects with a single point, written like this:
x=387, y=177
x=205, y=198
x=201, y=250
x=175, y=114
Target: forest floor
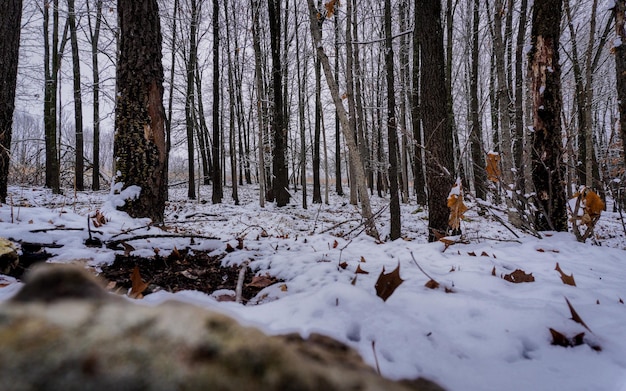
x=315, y=271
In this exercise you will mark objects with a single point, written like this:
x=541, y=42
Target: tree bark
x=518, y=143
x=280, y=184
x=52, y=65
x=620, y=66
x=357, y=165
x=392, y=135
x=216, y=150
x=95, y=37
x=10, y=23
x=139, y=148
x=547, y=153
x=419, y=181
x=258, y=77
x=79, y=162
x=437, y=129
x=190, y=63
x=476, y=139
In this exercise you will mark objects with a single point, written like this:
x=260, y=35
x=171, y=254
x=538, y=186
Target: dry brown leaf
x=361, y=271
x=353, y=282
x=560, y=339
x=575, y=317
x=519, y=276
x=387, y=283
x=493, y=167
x=493, y=271
x=621, y=301
x=484, y=254
x=98, y=219
x=127, y=248
x=432, y=284
x=456, y=205
x=363, y=259
x=569, y=280
x=262, y=281
x=138, y=285
x=283, y=287
x=330, y=7
x=471, y=254
x=343, y=265
x=229, y=248
x=239, y=243
x=541, y=250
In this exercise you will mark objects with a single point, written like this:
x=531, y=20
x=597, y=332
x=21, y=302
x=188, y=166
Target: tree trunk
x=52, y=64
x=317, y=192
x=518, y=143
x=620, y=66
x=476, y=138
x=280, y=184
x=392, y=131
x=190, y=125
x=79, y=162
x=437, y=130
x=547, y=153
x=139, y=149
x=301, y=113
x=216, y=150
x=366, y=211
x=232, y=112
x=338, y=180
x=10, y=27
x=95, y=37
x=260, y=97
x=419, y=183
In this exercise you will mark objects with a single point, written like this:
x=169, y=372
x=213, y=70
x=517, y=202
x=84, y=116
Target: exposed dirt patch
x=178, y=271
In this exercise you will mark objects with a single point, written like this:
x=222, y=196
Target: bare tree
x=10, y=22
x=620, y=65
x=218, y=193
x=355, y=158
x=547, y=155
x=437, y=130
x=78, y=100
x=279, y=126
x=140, y=149
x=94, y=37
x=392, y=131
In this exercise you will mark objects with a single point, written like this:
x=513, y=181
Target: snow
x=489, y=334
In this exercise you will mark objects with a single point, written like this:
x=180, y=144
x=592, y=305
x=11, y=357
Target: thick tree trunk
x=392, y=135
x=280, y=184
x=437, y=130
x=139, y=149
x=258, y=77
x=357, y=165
x=547, y=155
x=52, y=64
x=10, y=23
x=216, y=150
x=79, y=161
x=190, y=125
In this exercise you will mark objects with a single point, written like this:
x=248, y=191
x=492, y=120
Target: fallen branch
x=112, y=244
x=241, y=277
x=56, y=229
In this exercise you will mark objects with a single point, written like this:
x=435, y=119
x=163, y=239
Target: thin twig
x=375, y=357
x=419, y=267
x=114, y=243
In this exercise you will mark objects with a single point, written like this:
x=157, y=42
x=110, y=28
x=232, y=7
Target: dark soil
x=181, y=270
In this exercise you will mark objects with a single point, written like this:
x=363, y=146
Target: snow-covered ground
x=487, y=334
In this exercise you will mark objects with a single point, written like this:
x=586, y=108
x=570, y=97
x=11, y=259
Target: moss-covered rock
x=106, y=343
